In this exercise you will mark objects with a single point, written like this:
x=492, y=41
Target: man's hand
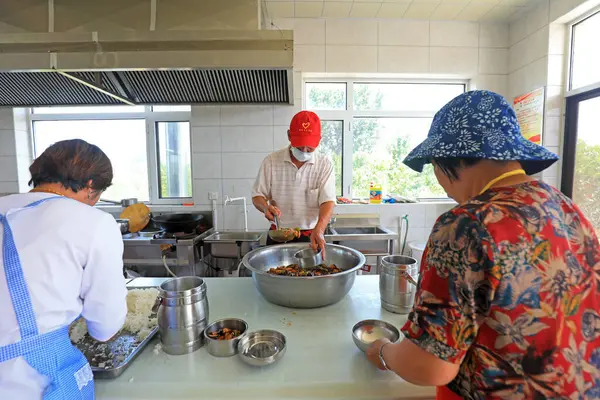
x=317, y=240
x=271, y=211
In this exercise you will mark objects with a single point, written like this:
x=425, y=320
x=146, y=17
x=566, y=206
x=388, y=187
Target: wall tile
x=552, y=136
x=246, y=115
x=7, y=143
x=354, y=32
x=454, y=60
x=399, y=59
x=537, y=17
x=493, y=35
x=309, y=31
x=233, y=218
x=8, y=188
x=280, y=138
x=349, y=59
x=206, y=139
x=282, y=115
x=309, y=58
x=556, y=70
x=494, y=83
x=23, y=142
x=517, y=31
x=206, y=165
x=554, y=100
x=247, y=138
x=202, y=188
x=238, y=188
x=403, y=33
x=455, y=34
x=493, y=61
x=206, y=115
x=8, y=169
x=558, y=39
x=242, y=165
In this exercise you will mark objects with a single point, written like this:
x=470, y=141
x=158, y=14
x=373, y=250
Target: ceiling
x=445, y=10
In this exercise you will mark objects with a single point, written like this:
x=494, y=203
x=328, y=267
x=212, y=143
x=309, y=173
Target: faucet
x=229, y=200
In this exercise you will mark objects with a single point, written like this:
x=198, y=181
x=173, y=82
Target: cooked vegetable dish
x=224, y=334
x=295, y=270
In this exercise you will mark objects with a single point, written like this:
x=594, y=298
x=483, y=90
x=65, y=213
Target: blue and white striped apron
x=51, y=354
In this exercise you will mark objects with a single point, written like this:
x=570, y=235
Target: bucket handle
x=156, y=305
x=409, y=278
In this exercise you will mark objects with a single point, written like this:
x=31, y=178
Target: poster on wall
x=530, y=113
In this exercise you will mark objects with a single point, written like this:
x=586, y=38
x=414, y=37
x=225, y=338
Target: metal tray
x=124, y=349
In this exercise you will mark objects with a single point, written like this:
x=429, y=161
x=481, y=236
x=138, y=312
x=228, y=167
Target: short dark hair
x=72, y=163
x=450, y=166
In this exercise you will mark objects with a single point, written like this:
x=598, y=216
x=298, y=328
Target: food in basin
x=295, y=270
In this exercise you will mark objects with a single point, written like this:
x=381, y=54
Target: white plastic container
x=416, y=251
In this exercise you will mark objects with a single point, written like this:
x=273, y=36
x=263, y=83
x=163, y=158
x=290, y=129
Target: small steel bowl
x=224, y=348
x=308, y=258
x=369, y=330
x=262, y=348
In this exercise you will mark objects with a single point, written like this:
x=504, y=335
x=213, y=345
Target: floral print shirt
x=510, y=290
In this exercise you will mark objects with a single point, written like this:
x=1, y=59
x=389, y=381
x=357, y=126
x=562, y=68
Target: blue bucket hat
x=479, y=124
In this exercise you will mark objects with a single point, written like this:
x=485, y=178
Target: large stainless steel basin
x=372, y=240
x=232, y=244
x=370, y=230
x=302, y=292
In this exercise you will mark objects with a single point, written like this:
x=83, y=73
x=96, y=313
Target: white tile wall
x=403, y=33
x=454, y=34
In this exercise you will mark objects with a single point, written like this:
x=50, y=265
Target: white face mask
x=301, y=156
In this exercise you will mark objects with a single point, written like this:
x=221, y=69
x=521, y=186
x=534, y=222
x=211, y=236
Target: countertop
x=321, y=361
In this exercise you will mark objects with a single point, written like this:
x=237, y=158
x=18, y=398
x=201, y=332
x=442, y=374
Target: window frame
x=570, y=53
x=348, y=115
x=151, y=119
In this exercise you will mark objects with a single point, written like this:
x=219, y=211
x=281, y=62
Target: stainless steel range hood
x=170, y=67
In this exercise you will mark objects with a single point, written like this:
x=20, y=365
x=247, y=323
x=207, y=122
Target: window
x=585, y=59
x=174, y=159
x=370, y=127
x=157, y=171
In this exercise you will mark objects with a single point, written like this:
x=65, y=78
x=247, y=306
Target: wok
x=172, y=223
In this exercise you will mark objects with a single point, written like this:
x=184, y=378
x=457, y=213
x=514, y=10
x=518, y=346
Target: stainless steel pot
x=123, y=225
x=123, y=203
x=302, y=292
x=398, y=283
x=182, y=314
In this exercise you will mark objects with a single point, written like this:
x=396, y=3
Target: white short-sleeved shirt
x=298, y=192
x=72, y=260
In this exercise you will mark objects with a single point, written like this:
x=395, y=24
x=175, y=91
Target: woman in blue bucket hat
x=508, y=301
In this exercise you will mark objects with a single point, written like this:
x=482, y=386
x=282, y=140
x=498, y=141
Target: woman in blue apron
x=61, y=258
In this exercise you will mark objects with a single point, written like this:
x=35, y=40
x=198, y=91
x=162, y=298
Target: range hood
x=169, y=67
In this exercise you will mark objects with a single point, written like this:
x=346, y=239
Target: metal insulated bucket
x=182, y=314
x=398, y=283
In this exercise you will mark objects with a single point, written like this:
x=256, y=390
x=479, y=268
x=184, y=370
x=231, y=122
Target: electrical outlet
x=213, y=196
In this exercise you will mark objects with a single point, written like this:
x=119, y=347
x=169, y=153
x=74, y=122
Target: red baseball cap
x=305, y=129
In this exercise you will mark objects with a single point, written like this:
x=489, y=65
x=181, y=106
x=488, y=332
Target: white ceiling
x=446, y=10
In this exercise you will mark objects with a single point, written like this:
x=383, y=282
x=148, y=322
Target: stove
x=143, y=253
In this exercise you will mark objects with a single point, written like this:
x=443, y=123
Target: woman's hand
x=373, y=352
x=271, y=212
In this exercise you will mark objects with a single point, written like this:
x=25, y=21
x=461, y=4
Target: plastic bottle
x=375, y=193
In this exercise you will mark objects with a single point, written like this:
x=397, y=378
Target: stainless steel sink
x=234, y=237
x=232, y=244
x=371, y=230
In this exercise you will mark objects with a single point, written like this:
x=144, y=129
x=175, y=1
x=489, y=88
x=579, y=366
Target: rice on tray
x=138, y=322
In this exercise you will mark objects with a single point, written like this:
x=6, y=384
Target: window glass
x=123, y=141
x=585, y=69
x=379, y=146
x=174, y=159
x=332, y=146
x=171, y=108
x=326, y=96
x=586, y=182
x=403, y=96
x=88, y=109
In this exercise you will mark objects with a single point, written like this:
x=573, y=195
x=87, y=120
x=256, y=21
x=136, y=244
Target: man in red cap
x=297, y=184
